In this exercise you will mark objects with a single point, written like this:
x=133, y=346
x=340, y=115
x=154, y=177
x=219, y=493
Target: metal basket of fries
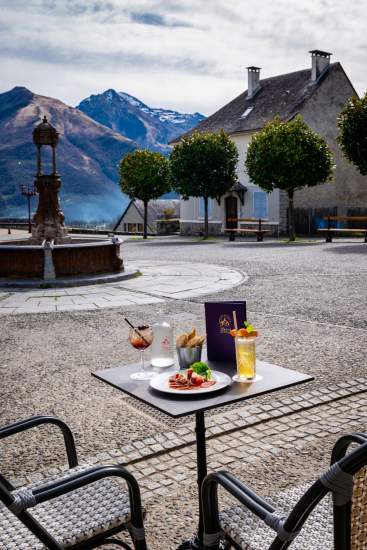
x=189, y=348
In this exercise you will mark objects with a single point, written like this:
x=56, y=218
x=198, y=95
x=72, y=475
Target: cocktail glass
x=245, y=358
x=141, y=338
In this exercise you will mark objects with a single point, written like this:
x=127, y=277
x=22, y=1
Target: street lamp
x=29, y=193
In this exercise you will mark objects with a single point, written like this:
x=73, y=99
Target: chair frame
x=350, y=464
x=63, y=486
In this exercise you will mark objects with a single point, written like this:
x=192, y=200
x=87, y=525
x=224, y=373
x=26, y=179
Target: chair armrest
x=34, y=421
x=80, y=479
x=341, y=446
x=237, y=489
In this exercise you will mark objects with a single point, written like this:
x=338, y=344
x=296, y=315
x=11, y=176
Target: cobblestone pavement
x=159, y=281
x=240, y=441
x=308, y=301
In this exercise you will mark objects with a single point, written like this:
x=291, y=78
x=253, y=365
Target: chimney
x=253, y=75
x=320, y=63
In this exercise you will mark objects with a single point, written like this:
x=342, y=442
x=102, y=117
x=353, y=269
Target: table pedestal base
x=192, y=544
x=195, y=543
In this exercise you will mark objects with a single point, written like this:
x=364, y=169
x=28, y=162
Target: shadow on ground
x=248, y=244
x=176, y=243
x=356, y=249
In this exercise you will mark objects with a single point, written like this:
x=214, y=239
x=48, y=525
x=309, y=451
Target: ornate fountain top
x=45, y=134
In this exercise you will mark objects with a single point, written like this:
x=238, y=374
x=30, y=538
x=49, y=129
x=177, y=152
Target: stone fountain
x=51, y=255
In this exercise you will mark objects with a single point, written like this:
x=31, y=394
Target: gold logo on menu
x=224, y=322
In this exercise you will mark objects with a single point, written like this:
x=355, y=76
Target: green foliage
x=204, y=165
x=248, y=327
x=144, y=175
x=202, y=368
x=352, y=123
x=289, y=156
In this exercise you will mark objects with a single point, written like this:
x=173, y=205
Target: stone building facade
x=318, y=94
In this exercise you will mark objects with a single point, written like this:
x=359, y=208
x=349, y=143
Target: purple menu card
x=219, y=323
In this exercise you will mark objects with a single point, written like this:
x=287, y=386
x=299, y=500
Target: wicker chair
x=329, y=515
x=82, y=509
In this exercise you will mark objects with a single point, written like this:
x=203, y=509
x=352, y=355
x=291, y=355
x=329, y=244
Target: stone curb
x=128, y=273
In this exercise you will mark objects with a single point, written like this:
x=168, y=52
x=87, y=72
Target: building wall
x=191, y=221
x=320, y=113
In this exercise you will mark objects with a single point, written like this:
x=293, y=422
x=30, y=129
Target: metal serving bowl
x=188, y=356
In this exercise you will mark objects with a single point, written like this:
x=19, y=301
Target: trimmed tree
x=352, y=123
x=288, y=156
x=204, y=165
x=144, y=175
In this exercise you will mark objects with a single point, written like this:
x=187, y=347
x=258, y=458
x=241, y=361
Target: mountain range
x=149, y=127
x=93, y=138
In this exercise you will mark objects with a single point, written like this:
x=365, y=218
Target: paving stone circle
x=160, y=281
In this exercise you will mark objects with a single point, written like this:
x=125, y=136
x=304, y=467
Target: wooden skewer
x=235, y=320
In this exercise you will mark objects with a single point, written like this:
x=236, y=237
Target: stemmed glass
x=141, y=338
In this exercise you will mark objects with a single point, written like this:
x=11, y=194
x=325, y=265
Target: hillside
x=87, y=156
x=150, y=128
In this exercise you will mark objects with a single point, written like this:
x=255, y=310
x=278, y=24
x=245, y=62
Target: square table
x=273, y=378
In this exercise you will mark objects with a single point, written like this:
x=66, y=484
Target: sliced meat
x=208, y=383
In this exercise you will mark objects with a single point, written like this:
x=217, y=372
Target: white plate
x=160, y=383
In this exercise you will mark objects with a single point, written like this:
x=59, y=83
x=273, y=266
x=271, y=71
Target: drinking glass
x=141, y=338
x=245, y=358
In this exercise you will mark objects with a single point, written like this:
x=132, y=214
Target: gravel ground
x=308, y=300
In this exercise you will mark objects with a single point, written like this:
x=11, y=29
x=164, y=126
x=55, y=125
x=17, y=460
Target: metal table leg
x=196, y=542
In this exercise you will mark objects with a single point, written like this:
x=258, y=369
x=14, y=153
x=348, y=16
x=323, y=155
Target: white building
x=244, y=201
x=132, y=218
x=318, y=94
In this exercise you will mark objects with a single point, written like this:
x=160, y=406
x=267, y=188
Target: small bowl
x=188, y=356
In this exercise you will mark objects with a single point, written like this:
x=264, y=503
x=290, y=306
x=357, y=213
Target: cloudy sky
x=188, y=55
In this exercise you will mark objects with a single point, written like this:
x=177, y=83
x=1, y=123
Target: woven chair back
x=359, y=511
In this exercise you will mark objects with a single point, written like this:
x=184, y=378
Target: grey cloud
x=205, y=42
x=156, y=19
x=100, y=60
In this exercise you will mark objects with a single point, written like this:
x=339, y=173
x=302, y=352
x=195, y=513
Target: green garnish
x=248, y=327
x=202, y=368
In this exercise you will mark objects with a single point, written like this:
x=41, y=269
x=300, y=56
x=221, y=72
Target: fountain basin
x=49, y=262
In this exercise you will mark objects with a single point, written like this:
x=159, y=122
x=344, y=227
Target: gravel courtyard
x=309, y=301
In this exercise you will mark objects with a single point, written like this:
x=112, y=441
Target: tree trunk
x=206, y=220
x=291, y=232
x=145, y=231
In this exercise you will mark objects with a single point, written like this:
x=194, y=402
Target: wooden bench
x=330, y=231
x=259, y=232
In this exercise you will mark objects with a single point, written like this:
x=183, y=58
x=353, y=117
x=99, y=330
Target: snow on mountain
x=150, y=127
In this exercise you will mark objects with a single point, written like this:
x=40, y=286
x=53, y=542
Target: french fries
x=189, y=340
x=181, y=341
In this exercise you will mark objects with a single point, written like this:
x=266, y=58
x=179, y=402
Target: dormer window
x=247, y=112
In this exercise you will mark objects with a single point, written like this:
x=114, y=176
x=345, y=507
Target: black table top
x=273, y=378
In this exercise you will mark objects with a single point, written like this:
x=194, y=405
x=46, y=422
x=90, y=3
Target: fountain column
x=48, y=221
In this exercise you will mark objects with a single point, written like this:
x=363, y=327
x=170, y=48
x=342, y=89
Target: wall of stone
x=197, y=228
x=349, y=188
x=168, y=227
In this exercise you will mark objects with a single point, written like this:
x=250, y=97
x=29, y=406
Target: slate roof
x=281, y=95
x=157, y=207
x=156, y=210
